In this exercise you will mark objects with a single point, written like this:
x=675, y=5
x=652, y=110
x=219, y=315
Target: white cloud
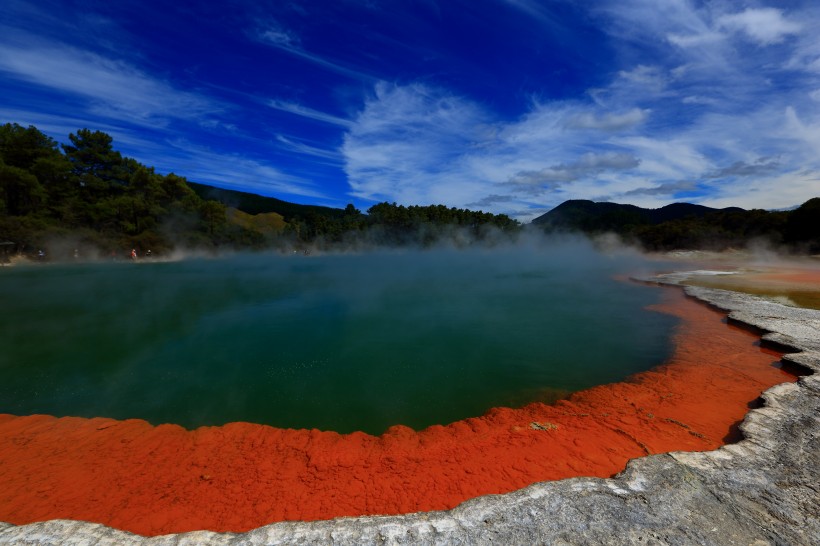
x=637, y=85
x=609, y=122
x=417, y=144
x=692, y=40
x=696, y=99
x=303, y=111
x=589, y=164
x=407, y=141
x=643, y=78
x=58, y=126
x=204, y=165
x=669, y=157
x=804, y=132
x=766, y=26
x=279, y=37
x=537, y=11
x=275, y=35
x=663, y=190
x=759, y=167
x=292, y=145
x=691, y=107
x=783, y=190
x=112, y=88
x=648, y=20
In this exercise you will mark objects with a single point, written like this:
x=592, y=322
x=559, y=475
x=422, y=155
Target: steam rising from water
x=342, y=342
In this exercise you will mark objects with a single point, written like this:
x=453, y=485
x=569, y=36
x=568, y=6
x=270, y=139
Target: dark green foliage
x=397, y=224
x=688, y=226
x=23, y=147
x=93, y=197
x=20, y=191
x=803, y=226
x=86, y=194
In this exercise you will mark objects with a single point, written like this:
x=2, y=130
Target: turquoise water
x=337, y=342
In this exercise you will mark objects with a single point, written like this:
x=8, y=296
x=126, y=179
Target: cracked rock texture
x=762, y=490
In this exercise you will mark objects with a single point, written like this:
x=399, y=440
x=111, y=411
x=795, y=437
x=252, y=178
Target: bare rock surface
x=762, y=490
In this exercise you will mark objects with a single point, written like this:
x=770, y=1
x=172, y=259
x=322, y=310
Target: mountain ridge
x=688, y=225
x=573, y=210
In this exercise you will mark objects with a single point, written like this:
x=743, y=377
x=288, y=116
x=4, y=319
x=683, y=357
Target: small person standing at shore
x=133, y=253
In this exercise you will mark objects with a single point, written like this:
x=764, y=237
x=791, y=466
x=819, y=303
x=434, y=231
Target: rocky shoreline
x=762, y=490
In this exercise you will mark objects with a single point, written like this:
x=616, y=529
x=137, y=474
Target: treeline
x=688, y=226
x=86, y=195
x=384, y=224
x=389, y=224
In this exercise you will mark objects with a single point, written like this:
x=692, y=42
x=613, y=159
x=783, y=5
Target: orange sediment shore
x=155, y=480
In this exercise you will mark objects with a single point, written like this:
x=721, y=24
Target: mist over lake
x=335, y=342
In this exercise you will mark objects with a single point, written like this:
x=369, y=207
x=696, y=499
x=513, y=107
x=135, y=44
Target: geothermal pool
x=334, y=342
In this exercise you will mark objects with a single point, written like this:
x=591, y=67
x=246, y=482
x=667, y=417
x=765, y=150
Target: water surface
x=343, y=342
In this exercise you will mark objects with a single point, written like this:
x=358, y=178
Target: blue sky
x=508, y=106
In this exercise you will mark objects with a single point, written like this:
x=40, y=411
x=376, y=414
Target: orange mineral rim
x=154, y=480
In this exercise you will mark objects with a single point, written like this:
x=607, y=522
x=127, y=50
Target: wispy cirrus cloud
x=205, y=165
x=148, y=115
x=609, y=121
x=310, y=113
x=763, y=25
x=279, y=37
x=332, y=157
x=110, y=87
x=406, y=145
x=538, y=11
x=274, y=34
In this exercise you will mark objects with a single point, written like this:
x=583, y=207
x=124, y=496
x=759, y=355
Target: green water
x=347, y=342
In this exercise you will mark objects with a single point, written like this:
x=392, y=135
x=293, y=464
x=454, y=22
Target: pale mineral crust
x=762, y=490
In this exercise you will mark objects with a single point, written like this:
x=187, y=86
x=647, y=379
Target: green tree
x=214, y=216
x=60, y=185
x=20, y=190
x=803, y=225
x=21, y=147
x=99, y=167
x=177, y=189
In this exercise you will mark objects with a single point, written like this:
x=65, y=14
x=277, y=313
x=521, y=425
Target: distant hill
x=250, y=203
x=689, y=226
x=583, y=215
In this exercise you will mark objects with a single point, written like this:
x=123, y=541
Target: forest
x=85, y=198
x=687, y=226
